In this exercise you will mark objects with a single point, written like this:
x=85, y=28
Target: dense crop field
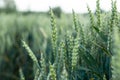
x=73, y=47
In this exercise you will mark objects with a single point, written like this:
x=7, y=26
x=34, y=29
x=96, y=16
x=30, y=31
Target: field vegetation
x=62, y=46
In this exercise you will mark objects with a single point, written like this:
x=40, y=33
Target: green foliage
x=33, y=29
x=9, y=6
x=76, y=55
x=87, y=52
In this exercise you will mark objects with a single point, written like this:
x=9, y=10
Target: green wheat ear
x=75, y=53
x=91, y=19
x=98, y=14
x=37, y=74
x=52, y=73
x=116, y=56
x=43, y=74
x=75, y=20
x=21, y=74
x=54, y=32
x=30, y=53
x=112, y=23
x=64, y=74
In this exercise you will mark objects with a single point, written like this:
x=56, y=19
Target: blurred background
x=29, y=20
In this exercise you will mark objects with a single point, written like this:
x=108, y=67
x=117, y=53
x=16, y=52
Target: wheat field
x=73, y=47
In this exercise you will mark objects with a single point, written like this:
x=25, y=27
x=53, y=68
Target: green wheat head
x=75, y=53
x=75, y=21
x=82, y=56
x=98, y=14
x=52, y=73
x=54, y=32
x=115, y=58
x=21, y=74
x=31, y=54
x=43, y=74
